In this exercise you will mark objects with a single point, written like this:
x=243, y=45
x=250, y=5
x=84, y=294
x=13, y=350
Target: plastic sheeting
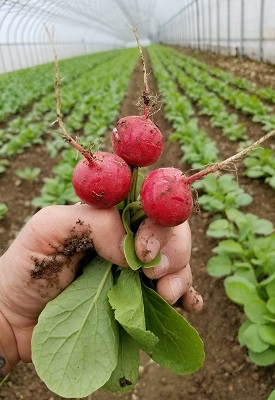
x=242, y=27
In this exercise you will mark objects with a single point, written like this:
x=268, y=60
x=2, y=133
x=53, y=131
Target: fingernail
x=153, y=247
x=176, y=289
x=162, y=268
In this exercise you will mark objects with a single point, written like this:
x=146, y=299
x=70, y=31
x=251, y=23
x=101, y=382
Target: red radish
x=137, y=140
x=103, y=180
x=165, y=197
x=100, y=179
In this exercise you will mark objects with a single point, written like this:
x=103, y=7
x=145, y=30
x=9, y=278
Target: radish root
x=230, y=160
x=66, y=136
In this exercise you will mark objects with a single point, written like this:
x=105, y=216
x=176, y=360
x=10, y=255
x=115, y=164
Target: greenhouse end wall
x=232, y=27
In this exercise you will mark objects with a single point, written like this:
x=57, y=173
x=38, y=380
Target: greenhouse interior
x=137, y=211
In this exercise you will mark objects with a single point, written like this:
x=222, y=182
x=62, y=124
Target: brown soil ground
x=227, y=373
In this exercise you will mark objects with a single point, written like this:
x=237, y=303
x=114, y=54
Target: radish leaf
x=125, y=375
x=75, y=344
x=180, y=348
x=127, y=301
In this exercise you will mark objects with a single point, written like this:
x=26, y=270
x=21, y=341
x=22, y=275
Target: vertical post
x=218, y=26
x=84, y=46
x=198, y=22
x=184, y=31
x=203, y=25
x=228, y=27
x=189, y=29
x=10, y=50
x=261, y=30
x=242, y=28
x=209, y=25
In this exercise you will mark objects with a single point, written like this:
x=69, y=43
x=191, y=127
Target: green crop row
x=248, y=104
x=25, y=131
x=19, y=89
x=198, y=150
x=260, y=163
x=264, y=93
x=245, y=254
x=209, y=104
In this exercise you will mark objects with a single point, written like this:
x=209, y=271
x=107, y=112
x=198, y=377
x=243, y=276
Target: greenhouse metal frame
x=232, y=27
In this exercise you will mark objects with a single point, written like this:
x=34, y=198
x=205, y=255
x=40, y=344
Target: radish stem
x=232, y=159
x=67, y=137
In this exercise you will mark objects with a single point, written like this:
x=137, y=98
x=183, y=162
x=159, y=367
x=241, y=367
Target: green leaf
x=131, y=257
x=254, y=172
x=243, y=199
x=262, y=227
x=75, y=343
x=242, y=328
x=251, y=338
x=267, y=333
x=210, y=183
x=129, y=252
x=125, y=375
x=140, y=179
x=180, y=348
x=271, y=396
x=271, y=181
x=244, y=270
x=255, y=309
x=127, y=301
x=271, y=304
x=219, y=266
x=229, y=247
x=211, y=203
x=220, y=228
x=238, y=289
x=270, y=287
x=235, y=215
x=264, y=358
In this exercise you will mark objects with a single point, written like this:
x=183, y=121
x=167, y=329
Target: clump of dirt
x=49, y=267
x=46, y=268
x=77, y=244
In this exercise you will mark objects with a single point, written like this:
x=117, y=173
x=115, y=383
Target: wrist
x=9, y=356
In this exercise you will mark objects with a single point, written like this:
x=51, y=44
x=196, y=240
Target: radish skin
x=165, y=197
x=103, y=182
x=137, y=140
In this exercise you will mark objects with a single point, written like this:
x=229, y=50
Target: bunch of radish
x=105, y=179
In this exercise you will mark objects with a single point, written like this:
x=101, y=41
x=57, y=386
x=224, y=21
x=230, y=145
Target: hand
x=47, y=253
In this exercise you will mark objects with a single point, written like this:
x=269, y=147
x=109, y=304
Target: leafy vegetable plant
x=28, y=173
x=246, y=258
x=221, y=194
x=261, y=164
x=3, y=210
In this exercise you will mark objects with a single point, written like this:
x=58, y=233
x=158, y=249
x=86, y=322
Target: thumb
x=150, y=238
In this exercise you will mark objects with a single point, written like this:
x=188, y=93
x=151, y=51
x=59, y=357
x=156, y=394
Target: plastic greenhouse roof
x=98, y=21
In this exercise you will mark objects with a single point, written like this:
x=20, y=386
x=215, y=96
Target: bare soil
x=227, y=373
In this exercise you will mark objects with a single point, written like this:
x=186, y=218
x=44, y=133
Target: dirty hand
x=45, y=257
